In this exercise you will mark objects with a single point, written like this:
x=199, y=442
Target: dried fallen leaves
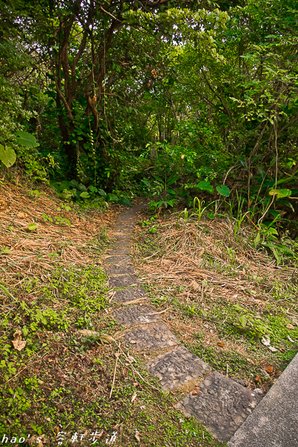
x=266, y=342
x=18, y=343
x=32, y=252
x=269, y=369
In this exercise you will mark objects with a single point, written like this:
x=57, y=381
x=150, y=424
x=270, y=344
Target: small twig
x=110, y=14
x=121, y=351
x=139, y=300
x=151, y=256
x=161, y=312
x=112, y=294
x=228, y=172
x=117, y=355
x=138, y=374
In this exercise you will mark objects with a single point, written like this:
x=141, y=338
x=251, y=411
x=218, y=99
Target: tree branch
x=66, y=105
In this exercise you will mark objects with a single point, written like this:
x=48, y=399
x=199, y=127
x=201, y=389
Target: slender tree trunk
x=70, y=149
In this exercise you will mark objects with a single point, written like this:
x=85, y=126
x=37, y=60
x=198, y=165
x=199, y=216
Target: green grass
x=236, y=324
x=39, y=409
x=227, y=362
x=239, y=321
x=58, y=385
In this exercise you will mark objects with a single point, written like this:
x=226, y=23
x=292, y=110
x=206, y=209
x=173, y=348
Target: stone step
x=178, y=369
x=123, y=280
x=217, y=401
x=136, y=314
x=128, y=295
x=221, y=404
x=150, y=338
x=119, y=269
x=274, y=422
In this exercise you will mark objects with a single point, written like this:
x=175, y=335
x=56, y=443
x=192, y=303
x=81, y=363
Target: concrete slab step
x=221, y=404
x=274, y=422
x=119, y=269
x=136, y=314
x=128, y=294
x=123, y=280
x=150, y=338
x=178, y=369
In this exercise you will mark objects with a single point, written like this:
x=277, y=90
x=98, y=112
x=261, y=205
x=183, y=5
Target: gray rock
x=123, y=280
x=128, y=294
x=135, y=314
x=274, y=423
x=178, y=369
x=118, y=259
x=220, y=404
x=119, y=269
x=153, y=337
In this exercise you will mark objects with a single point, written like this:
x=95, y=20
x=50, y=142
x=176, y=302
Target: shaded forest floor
x=65, y=379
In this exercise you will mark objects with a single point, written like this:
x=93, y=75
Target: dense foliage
x=154, y=97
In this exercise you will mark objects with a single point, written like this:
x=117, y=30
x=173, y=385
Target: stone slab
x=122, y=242
x=118, y=259
x=125, y=224
x=123, y=280
x=119, y=251
x=122, y=232
x=152, y=337
x=221, y=404
x=274, y=423
x=128, y=294
x=119, y=269
x=136, y=314
x=178, y=369
x=128, y=216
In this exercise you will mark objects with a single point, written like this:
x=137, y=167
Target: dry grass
x=24, y=252
x=196, y=269
x=69, y=375
x=187, y=251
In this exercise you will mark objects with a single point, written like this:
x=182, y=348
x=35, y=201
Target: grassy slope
x=60, y=357
x=223, y=298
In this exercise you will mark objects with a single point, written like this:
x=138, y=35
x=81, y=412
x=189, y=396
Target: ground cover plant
x=228, y=302
x=65, y=377
x=190, y=106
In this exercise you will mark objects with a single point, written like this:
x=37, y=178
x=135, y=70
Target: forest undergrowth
x=228, y=301
x=66, y=379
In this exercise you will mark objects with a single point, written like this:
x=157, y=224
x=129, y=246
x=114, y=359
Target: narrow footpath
x=219, y=402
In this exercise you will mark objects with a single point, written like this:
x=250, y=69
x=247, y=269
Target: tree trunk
x=70, y=149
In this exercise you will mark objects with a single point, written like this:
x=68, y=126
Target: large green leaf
x=205, y=186
x=280, y=193
x=223, y=190
x=7, y=156
x=85, y=195
x=26, y=139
